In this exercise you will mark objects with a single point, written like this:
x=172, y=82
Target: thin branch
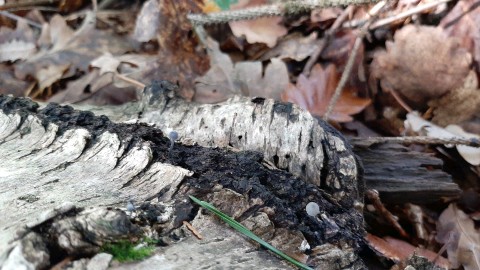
x=345, y=76
x=416, y=139
x=399, y=100
x=374, y=198
x=130, y=80
x=325, y=40
x=279, y=9
x=402, y=15
x=372, y=13
x=18, y=18
x=406, y=14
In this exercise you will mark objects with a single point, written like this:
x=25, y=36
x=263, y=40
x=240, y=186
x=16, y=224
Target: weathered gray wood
x=402, y=175
x=288, y=137
x=40, y=168
x=56, y=154
x=279, y=132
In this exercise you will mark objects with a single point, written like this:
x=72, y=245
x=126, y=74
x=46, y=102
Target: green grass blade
x=239, y=227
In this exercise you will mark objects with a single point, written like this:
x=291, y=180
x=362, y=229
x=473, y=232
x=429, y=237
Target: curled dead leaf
x=295, y=47
x=69, y=51
x=398, y=250
x=315, y=92
x=463, y=23
x=421, y=63
x=225, y=79
x=264, y=30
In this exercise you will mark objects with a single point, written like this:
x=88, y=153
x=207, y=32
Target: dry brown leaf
x=463, y=22
x=324, y=14
x=67, y=6
x=73, y=50
x=21, y=32
x=106, y=63
x=459, y=104
x=95, y=89
x=76, y=90
x=180, y=59
x=16, y=49
x=422, y=63
x=269, y=85
x=17, y=44
x=398, y=250
x=132, y=65
x=339, y=48
x=294, y=46
x=457, y=230
x=49, y=75
x=263, y=30
x=224, y=79
x=11, y=85
x=314, y=94
x=100, y=85
x=217, y=84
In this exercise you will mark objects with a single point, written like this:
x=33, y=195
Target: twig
x=406, y=14
x=399, y=100
x=18, y=18
x=351, y=60
x=325, y=40
x=374, y=198
x=193, y=230
x=130, y=80
x=415, y=139
x=344, y=78
x=279, y=9
x=396, y=17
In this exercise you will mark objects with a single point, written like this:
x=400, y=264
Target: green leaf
x=239, y=227
x=225, y=4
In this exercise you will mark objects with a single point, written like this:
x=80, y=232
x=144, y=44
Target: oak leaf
x=398, y=250
x=314, y=94
x=225, y=79
x=263, y=30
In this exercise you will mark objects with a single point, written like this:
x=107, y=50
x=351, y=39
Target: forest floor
x=392, y=68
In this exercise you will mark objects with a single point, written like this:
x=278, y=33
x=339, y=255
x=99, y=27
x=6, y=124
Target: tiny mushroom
x=173, y=136
x=312, y=209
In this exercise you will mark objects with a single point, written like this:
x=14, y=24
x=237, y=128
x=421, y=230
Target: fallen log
x=56, y=154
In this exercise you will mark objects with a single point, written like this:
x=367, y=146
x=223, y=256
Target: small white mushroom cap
x=312, y=209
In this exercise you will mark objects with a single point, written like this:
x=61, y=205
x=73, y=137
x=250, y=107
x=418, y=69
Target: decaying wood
x=400, y=175
x=405, y=176
x=286, y=135
x=56, y=154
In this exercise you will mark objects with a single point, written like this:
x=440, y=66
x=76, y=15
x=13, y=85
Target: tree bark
x=56, y=154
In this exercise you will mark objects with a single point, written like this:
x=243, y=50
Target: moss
x=125, y=251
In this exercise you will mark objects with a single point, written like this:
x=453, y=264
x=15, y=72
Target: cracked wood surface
x=287, y=136
x=56, y=154
x=41, y=168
